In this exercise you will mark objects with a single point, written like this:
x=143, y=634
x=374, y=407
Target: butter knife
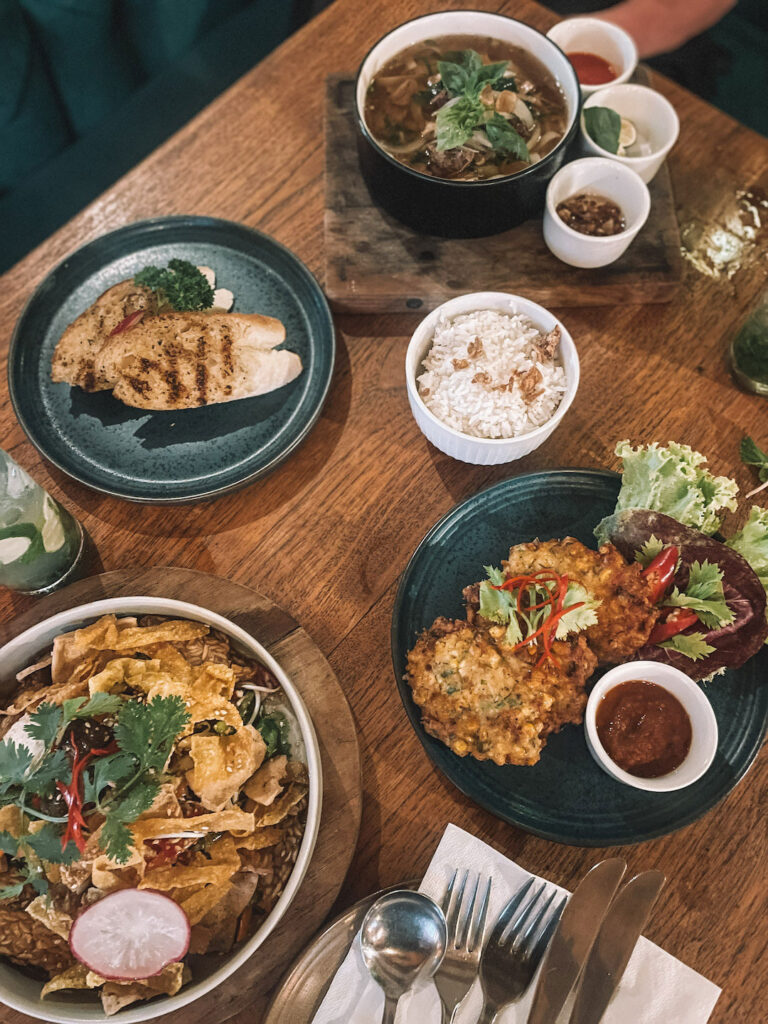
x=622, y=927
x=573, y=939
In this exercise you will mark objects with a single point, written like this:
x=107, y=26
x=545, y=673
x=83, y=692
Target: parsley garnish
x=180, y=286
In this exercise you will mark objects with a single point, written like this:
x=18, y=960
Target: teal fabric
x=84, y=52
x=742, y=87
x=33, y=123
x=52, y=188
x=66, y=66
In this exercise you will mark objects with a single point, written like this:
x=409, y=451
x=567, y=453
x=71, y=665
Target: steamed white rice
x=490, y=389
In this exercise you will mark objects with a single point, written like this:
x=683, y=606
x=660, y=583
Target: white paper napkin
x=656, y=988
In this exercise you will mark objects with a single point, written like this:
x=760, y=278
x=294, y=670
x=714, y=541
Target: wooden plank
x=374, y=264
x=327, y=535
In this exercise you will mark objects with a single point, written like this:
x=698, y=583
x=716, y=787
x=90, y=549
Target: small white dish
x=654, y=118
x=695, y=702
x=593, y=35
x=606, y=178
x=483, y=451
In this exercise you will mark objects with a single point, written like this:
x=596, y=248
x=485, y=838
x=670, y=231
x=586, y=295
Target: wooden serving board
x=247, y=992
x=374, y=264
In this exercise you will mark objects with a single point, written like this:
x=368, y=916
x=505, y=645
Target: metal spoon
x=403, y=940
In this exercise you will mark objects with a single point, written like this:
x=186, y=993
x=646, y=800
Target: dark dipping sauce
x=643, y=728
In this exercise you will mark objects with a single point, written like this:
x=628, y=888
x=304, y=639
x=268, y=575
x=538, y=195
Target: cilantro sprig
x=501, y=606
x=692, y=645
x=120, y=785
x=704, y=595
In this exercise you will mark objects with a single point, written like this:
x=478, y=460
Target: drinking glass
x=41, y=544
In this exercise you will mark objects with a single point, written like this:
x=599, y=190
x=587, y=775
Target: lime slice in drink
x=53, y=531
x=12, y=548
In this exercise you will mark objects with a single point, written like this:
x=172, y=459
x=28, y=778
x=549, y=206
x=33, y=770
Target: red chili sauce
x=591, y=69
x=643, y=728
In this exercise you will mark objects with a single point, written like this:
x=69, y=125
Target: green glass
x=41, y=544
x=749, y=352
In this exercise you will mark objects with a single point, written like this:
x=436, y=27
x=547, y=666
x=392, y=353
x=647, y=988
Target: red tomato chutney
x=591, y=69
x=644, y=729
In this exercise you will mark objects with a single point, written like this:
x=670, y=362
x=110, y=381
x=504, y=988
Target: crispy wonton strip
x=232, y=820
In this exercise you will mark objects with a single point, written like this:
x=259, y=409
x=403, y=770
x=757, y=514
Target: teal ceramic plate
x=172, y=456
x=566, y=797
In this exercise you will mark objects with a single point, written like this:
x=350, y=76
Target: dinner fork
x=465, y=914
x=515, y=947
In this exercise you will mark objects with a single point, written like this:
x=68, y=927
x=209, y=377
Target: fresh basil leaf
x=454, y=77
x=603, y=126
x=505, y=139
x=490, y=72
x=457, y=122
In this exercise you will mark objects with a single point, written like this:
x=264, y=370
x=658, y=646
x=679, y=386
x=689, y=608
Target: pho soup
x=466, y=107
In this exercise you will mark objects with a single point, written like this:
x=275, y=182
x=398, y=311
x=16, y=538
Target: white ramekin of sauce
x=650, y=726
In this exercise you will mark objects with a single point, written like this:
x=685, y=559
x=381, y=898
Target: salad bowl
x=19, y=989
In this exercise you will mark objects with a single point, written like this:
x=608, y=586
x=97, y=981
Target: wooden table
x=327, y=535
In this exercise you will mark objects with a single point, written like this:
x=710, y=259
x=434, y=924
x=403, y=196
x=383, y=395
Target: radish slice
x=130, y=934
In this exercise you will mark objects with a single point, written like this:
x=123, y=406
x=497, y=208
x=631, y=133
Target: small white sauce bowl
x=485, y=451
x=605, y=178
x=693, y=699
x=653, y=116
x=593, y=35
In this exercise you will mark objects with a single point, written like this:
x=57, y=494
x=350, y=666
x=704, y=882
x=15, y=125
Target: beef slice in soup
x=466, y=108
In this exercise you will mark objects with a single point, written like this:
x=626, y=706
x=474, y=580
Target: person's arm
x=658, y=26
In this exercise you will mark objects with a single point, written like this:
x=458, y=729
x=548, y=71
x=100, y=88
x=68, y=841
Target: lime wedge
x=12, y=548
x=627, y=133
x=53, y=531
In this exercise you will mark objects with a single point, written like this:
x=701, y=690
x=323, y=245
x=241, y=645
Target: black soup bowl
x=442, y=206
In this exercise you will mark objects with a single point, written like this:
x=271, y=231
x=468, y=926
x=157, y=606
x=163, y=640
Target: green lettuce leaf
x=751, y=542
x=673, y=481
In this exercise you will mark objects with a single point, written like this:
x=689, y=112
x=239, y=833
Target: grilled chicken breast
x=171, y=360
x=181, y=360
x=74, y=361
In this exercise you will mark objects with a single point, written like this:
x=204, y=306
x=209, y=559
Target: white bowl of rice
x=489, y=376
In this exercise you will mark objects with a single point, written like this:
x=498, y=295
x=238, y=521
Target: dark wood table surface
x=327, y=535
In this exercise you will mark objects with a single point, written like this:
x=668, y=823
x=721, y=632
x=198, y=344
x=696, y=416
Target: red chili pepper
x=527, y=586
x=73, y=798
x=128, y=322
x=660, y=573
x=675, y=622
x=165, y=852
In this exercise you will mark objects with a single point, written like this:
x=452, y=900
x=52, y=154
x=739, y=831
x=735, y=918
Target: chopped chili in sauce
x=644, y=729
x=592, y=69
x=591, y=214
